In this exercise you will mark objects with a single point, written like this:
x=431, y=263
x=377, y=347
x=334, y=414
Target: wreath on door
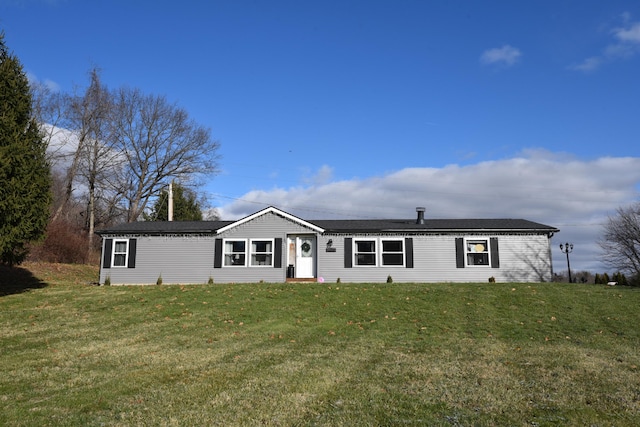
x=306, y=247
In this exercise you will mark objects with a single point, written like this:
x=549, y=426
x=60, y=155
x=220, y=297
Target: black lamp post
x=567, y=248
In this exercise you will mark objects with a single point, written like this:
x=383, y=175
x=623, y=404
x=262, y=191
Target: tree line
x=92, y=158
x=117, y=149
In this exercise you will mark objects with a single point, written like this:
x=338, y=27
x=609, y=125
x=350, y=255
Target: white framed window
x=477, y=252
x=235, y=252
x=262, y=253
x=364, y=253
x=120, y=253
x=392, y=252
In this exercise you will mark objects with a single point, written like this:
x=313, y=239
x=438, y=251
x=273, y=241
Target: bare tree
x=98, y=158
x=49, y=111
x=85, y=119
x=158, y=142
x=621, y=240
x=84, y=148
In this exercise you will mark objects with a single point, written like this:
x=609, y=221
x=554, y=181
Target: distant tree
x=159, y=143
x=25, y=195
x=186, y=206
x=583, y=277
x=621, y=240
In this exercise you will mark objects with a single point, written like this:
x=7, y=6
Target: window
x=120, y=249
x=392, y=252
x=235, y=253
x=365, y=253
x=477, y=251
x=119, y=253
x=380, y=251
x=262, y=253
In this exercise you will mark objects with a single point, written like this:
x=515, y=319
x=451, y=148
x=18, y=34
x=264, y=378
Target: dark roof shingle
x=341, y=226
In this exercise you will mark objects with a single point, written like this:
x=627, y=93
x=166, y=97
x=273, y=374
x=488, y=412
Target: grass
x=317, y=354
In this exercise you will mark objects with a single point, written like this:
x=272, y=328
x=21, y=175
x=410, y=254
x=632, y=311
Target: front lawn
x=320, y=354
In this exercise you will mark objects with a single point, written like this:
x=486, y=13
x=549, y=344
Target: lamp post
x=567, y=248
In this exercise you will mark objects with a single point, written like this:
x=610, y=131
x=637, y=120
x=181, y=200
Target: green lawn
x=319, y=354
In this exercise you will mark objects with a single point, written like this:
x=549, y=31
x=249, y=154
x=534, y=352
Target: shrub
x=107, y=281
x=492, y=279
x=63, y=243
x=389, y=279
x=210, y=281
x=159, y=281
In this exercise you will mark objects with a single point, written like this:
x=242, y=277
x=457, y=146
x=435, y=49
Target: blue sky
x=365, y=108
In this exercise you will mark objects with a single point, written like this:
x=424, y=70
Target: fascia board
x=276, y=211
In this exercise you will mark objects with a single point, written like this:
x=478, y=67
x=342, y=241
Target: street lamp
x=567, y=248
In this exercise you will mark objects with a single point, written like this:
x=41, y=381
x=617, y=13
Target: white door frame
x=304, y=260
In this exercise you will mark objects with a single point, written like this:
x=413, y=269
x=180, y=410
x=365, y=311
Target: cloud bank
x=573, y=195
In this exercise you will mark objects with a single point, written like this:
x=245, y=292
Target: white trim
x=251, y=253
x=379, y=252
x=126, y=253
x=355, y=252
x=486, y=239
x=273, y=210
x=224, y=252
x=404, y=251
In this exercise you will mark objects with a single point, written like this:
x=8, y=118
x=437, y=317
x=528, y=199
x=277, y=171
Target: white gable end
x=275, y=211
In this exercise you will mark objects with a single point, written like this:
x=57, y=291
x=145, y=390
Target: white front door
x=305, y=264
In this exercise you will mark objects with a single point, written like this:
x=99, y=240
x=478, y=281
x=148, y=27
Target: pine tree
x=25, y=180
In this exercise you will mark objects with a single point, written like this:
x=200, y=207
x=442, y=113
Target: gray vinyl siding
x=178, y=259
x=189, y=259
x=523, y=258
x=270, y=226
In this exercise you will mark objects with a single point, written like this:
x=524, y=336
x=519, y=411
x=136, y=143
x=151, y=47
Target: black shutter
x=408, y=252
x=277, y=253
x=348, y=252
x=217, y=254
x=459, y=252
x=106, y=254
x=495, y=257
x=131, y=263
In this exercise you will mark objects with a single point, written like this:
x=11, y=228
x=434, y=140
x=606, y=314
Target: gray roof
x=161, y=227
x=431, y=225
x=343, y=226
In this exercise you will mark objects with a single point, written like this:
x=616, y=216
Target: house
x=274, y=246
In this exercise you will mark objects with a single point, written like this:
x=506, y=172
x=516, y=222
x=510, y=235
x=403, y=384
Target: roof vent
x=420, y=211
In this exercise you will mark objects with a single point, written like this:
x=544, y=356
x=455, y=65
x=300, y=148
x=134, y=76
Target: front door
x=305, y=256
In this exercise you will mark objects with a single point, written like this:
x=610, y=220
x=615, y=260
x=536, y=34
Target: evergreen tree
x=25, y=180
x=185, y=206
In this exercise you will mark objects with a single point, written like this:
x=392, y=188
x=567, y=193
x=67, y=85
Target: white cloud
x=552, y=188
x=323, y=176
x=49, y=84
x=589, y=64
x=505, y=55
x=631, y=34
x=626, y=46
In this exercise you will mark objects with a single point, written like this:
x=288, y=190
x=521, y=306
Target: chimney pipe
x=420, y=211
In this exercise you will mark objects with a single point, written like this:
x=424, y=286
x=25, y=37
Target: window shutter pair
x=495, y=256
x=108, y=249
x=277, y=253
x=348, y=252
